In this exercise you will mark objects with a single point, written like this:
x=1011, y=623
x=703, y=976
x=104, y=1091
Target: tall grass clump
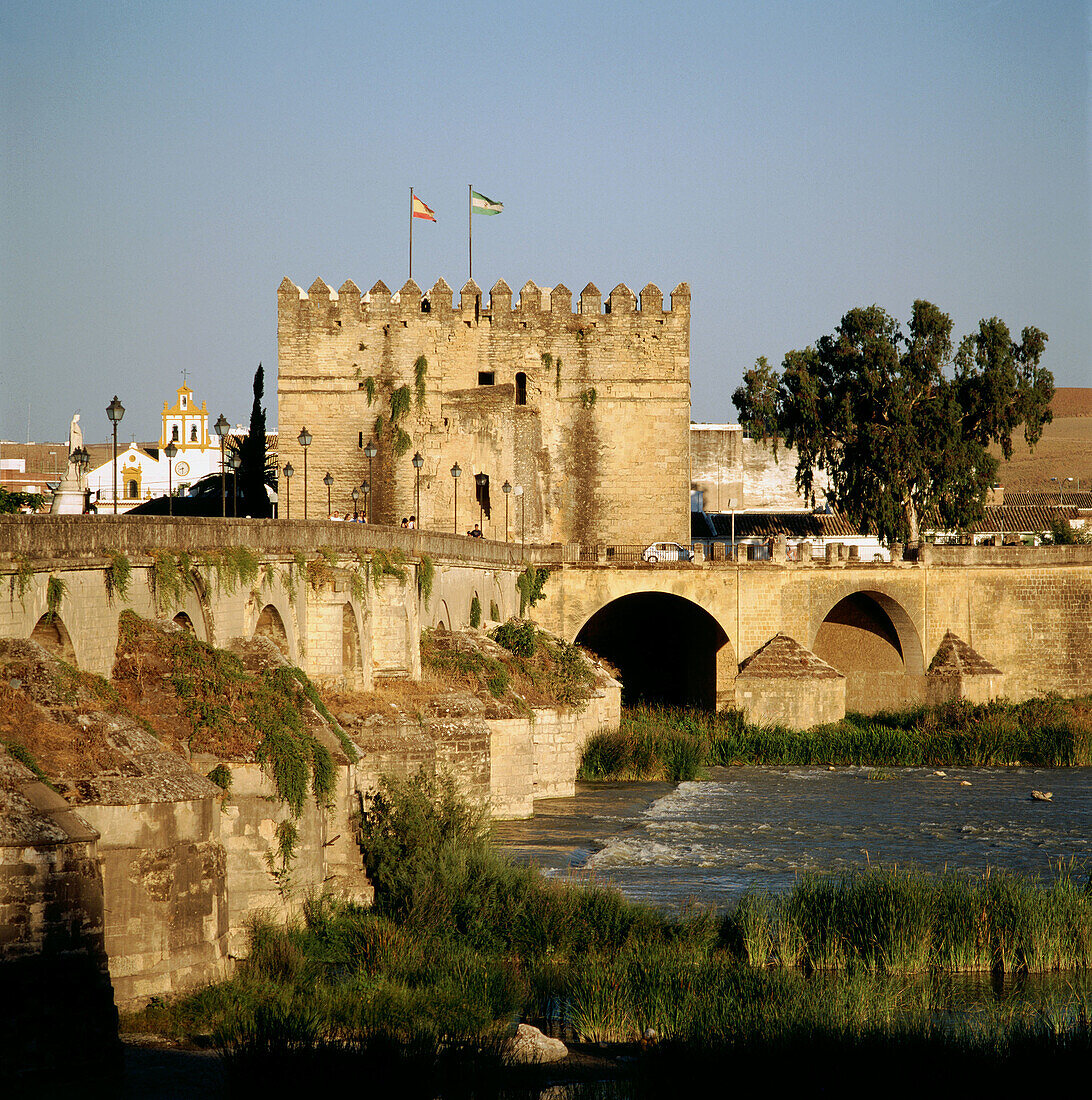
x=903, y=922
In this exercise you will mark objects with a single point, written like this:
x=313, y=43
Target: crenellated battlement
x=550, y=304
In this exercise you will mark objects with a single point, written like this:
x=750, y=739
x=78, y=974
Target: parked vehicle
x=667, y=551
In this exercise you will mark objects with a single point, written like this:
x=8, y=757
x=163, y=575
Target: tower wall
x=586, y=407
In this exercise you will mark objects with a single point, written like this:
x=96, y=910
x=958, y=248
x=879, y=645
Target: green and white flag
x=482, y=205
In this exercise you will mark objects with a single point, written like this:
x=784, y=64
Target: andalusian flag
x=481, y=205
x=420, y=210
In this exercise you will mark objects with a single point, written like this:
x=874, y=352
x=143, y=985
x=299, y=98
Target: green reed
x=890, y=921
x=675, y=743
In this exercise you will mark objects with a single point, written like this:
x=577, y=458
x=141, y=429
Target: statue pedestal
x=70, y=496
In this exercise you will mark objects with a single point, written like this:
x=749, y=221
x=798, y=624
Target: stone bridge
x=347, y=602
x=678, y=631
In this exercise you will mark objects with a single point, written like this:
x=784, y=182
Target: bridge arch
x=52, y=635
x=184, y=621
x=270, y=625
x=351, y=663
x=667, y=649
x=870, y=637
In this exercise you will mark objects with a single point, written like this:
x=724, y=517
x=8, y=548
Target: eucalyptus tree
x=901, y=422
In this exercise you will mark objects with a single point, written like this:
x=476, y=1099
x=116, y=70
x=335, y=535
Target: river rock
x=530, y=1046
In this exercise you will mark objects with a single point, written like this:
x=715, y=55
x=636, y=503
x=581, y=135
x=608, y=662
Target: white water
x=709, y=841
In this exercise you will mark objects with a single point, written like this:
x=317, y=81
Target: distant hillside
x=1064, y=451
x=1072, y=401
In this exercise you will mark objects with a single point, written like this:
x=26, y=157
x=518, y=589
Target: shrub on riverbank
x=674, y=743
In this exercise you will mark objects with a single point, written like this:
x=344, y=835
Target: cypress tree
x=252, y=457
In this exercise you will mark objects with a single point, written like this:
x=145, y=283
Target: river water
x=741, y=828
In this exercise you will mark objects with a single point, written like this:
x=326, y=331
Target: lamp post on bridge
x=221, y=427
x=355, y=494
x=304, y=439
x=456, y=473
x=506, y=489
x=288, y=472
x=328, y=481
x=115, y=410
x=370, y=451
x=169, y=452
x=418, y=462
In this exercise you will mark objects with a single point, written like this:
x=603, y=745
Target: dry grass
x=57, y=714
x=1064, y=451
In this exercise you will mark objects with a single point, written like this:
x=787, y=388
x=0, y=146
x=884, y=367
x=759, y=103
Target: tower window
x=131, y=490
x=174, y=433
x=521, y=388
x=193, y=434
x=485, y=378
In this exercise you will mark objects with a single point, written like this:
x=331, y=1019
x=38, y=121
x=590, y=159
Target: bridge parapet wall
x=42, y=538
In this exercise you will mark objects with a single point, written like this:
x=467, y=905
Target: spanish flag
x=420, y=210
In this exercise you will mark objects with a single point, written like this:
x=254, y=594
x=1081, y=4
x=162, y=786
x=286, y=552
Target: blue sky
x=164, y=165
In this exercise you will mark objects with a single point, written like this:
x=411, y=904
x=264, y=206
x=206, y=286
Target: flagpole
x=411, y=232
x=470, y=230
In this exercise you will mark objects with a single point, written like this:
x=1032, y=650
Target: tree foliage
x=902, y=425
x=11, y=502
x=252, y=457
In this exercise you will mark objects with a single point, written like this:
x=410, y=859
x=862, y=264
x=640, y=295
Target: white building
x=142, y=472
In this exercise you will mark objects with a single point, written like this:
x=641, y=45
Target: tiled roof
x=800, y=525
x=1051, y=499
x=785, y=658
x=955, y=658
x=1008, y=519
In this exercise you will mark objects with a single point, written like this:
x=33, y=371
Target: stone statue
x=75, y=434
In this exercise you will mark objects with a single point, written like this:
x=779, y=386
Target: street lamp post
x=233, y=462
x=328, y=481
x=304, y=439
x=370, y=451
x=288, y=472
x=480, y=482
x=115, y=410
x=418, y=462
x=221, y=428
x=355, y=494
x=456, y=473
x=507, y=489
x=366, y=488
x=170, y=451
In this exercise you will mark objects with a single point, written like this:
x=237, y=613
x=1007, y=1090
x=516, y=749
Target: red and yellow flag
x=420, y=210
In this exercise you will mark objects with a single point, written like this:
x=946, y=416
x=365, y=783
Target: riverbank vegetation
x=675, y=743
x=425, y=987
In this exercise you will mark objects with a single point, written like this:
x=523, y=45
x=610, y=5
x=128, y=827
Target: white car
x=667, y=551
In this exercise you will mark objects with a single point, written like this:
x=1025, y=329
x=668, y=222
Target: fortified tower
x=586, y=410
